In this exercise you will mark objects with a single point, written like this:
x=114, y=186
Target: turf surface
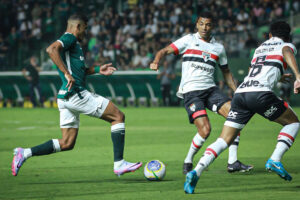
x=151, y=133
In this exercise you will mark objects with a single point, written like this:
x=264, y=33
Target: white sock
x=56, y=145
x=27, y=153
x=118, y=164
x=232, y=153
x=196, y=144
x=210, y=154
x=285, y=140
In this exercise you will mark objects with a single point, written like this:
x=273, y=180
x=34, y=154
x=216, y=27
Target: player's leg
x=232, y=126
x=290, y=122
x=117, y=119
x=211, y=153
x=69, y=123
x=234, y=165
x=197, y=115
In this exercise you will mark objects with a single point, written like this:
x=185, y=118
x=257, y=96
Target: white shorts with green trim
x=91, y=104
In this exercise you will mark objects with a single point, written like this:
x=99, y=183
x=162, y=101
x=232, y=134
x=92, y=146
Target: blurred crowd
x=129, y=33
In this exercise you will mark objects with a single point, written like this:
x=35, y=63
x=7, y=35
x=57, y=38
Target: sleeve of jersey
x=223, y=59
x=293, y=48
x=180, y=45
x=67, y=41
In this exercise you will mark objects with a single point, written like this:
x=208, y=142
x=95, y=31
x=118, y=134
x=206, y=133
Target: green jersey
x=72, y=56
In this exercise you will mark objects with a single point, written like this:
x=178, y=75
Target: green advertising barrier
x=125, y=84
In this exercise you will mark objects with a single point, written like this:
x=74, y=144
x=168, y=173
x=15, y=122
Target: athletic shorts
x=196, y=102
x=89, y=104
x=245, y=105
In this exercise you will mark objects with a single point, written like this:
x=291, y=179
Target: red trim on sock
x=198, y=113
x=197, y=146
x=286, y=135
x=211, y=150
x=239, y=134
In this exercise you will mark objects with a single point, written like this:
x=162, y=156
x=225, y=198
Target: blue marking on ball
x=154, y=165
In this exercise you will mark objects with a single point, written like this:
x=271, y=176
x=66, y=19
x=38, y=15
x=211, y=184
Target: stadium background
x=128, y=34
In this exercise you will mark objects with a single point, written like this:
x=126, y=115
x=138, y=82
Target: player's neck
x=71, y=31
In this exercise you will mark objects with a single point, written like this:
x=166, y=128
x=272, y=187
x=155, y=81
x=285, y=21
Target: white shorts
x=92, y=105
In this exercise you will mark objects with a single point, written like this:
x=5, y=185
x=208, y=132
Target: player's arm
x=24, y=72
x=159, y=55
x=228, y=78
x=53, y=51
x=291, y=61
x=106, y=69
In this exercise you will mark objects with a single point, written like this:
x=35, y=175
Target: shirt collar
x=212, y=39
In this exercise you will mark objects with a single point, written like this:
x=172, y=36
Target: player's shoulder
x=217, y=43
x=291, y=45
x=68, y=35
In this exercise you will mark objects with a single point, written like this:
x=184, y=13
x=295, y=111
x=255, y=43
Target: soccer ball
x=154, y=170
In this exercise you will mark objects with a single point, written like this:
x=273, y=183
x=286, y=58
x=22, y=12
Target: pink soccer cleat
x=127, y=167
x=18, y=160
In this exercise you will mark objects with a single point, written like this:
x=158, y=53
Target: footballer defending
x=255, y=95
x=73, y=99
x=200, y=55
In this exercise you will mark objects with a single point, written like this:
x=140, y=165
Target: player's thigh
x=194, y=103
x=275, y=109
x=287, y=117
x=68, y=118
x=112, y=114
x=218, y=102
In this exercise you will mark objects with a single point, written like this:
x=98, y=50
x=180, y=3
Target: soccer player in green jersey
x=74, y=99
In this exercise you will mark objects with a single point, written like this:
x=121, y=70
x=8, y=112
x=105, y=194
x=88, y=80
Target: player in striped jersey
x=73, y=99
x=201, y=53
x=255, y=95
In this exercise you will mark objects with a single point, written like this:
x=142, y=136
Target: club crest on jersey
x=81, y=58
x=192, y=107
x=205, y=56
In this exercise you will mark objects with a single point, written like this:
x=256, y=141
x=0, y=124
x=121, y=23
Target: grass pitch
x=151, y=133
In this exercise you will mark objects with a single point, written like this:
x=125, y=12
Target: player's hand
x=297, y=86
x=285, y=78
x=29, y=78
x=154, y=66
x=71, y=81
x=107, y=69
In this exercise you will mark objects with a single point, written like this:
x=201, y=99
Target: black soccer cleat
x=237, y=166
x=187, y=167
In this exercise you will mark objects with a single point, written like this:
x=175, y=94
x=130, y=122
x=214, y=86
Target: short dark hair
x=206, y=14
x=281, y=29
x=79, y=17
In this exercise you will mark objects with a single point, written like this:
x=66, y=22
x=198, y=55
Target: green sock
x=118, y=139
x=43, y=149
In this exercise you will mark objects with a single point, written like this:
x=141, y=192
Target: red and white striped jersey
x=267, y=66
x=198, y=62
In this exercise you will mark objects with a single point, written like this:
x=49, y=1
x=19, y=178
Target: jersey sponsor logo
x=259, y=51
x=232, y=115
x=270, y=111
x=192, y=107
x=251, y=83
x=202, y=68
x=205, y=56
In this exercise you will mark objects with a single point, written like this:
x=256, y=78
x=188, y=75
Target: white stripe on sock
x=56, y=145
x=119, y=126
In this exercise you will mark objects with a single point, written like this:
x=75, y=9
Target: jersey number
x=256, y=68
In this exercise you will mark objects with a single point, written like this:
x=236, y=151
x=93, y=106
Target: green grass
x=151, y=133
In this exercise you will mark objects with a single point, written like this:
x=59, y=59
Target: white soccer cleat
x=126, y=167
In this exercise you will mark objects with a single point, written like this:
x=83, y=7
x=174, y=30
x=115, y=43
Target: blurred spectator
x=3, y=52
x=33, y=78
x=166, y=76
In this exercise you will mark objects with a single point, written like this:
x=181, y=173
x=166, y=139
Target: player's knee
x=204, y=131
x=67, y=145
x=120, y=117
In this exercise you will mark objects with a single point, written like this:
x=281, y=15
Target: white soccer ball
x=154, y=170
